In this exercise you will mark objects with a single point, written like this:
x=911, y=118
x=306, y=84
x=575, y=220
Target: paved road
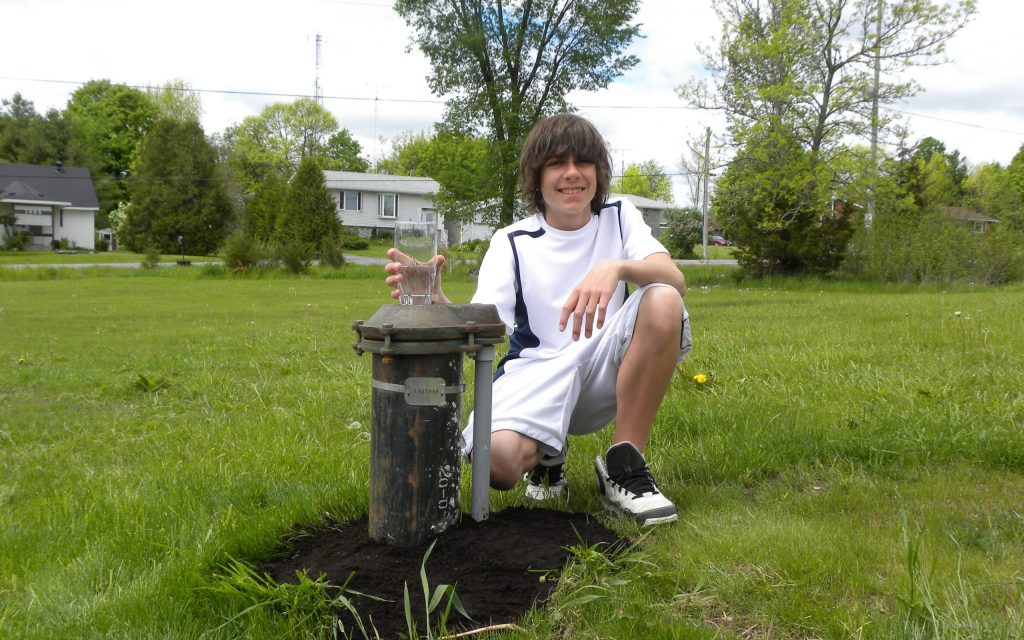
x=360, y=260
x=118, y=265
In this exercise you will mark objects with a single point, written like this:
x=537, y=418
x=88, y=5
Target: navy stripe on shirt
x=522, y=336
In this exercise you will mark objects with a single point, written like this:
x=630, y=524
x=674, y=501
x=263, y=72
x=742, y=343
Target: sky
x=242, y=56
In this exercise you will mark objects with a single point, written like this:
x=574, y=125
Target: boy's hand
x=394, y=271
x=589, y=300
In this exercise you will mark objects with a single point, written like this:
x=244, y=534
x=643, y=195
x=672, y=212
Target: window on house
x=427, y=215
x=350, y=200
x=387, y=206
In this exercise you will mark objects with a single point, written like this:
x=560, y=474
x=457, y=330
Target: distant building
x=978, y=222
x=653, y=210
x=370, y=204
x=52, y=203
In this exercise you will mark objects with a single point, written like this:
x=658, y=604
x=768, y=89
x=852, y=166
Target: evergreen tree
x=263, y=207
x=177, y=190
x=309, y=217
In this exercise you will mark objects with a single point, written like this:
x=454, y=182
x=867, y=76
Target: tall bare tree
x=810, y=64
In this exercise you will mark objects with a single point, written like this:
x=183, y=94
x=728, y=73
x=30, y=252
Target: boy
x=581, y=353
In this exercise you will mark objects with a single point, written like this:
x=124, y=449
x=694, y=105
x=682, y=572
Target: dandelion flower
x=22, y=360
x=700, y=378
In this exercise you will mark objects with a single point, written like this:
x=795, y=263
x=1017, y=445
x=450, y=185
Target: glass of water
x=418, y=242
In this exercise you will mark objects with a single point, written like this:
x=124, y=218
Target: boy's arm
x=588, y=302
x=657, y=267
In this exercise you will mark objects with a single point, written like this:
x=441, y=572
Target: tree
x=176, y=100
x=308, y=215
x=106, y=124
x=459, y=163
x=263, y=206
x=809, y=64
x=930, y=174
x=773, y=201
x=408, y=153
x=177, y=190
x=647, y=180
x=692, y=165
x=1013, y=184
x=505, y=65
x=683, y=231
x=26, y=136
x=272, y=144
x=796, y=80
x=342, y=153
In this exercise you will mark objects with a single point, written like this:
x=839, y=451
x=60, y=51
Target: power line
x=646, y=107
x=965, y=124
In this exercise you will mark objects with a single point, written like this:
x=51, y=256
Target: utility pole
x=869, y=215
x=707, y=172
x=318, y=93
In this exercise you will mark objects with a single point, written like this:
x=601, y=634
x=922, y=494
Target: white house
x=370, y=203
x=52, y=203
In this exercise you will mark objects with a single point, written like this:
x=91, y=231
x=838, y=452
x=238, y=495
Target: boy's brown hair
x=558, y=137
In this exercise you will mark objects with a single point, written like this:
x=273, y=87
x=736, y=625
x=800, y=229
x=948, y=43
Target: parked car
x=719, y=241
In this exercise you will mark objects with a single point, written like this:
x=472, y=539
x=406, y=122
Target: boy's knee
x=661, y=311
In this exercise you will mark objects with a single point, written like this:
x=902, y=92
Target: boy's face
x=567, y=187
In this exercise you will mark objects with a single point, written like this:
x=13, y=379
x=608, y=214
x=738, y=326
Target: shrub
x=152, y=257
x=102, y=244
x=352, y=241
x=239, y=252
x=17, y=241
x=934, y=248
x=682, y=233
x=330, y=253
x=295, y=255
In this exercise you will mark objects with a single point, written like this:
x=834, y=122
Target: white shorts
x=572, y=393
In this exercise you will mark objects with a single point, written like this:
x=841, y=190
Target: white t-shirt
x=531, y=268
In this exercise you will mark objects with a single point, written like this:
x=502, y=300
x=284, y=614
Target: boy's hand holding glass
x=415, y=267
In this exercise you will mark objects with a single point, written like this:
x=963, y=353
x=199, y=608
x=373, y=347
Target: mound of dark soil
x=496, y=565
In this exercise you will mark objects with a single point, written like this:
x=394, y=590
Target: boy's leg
x=531, y=403
x=647, y=367
x=626, y=380
x=512, y=455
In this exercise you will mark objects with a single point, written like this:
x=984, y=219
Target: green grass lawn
x=852, y=468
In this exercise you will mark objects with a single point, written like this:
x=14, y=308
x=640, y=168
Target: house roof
x=960, y=213
x=47, y=184
x=643, y=203
x=380, y=183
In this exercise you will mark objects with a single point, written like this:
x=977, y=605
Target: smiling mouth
x=571, y=191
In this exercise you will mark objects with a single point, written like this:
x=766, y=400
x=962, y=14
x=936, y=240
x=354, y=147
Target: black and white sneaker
x=547, y=480
x=627, y=487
